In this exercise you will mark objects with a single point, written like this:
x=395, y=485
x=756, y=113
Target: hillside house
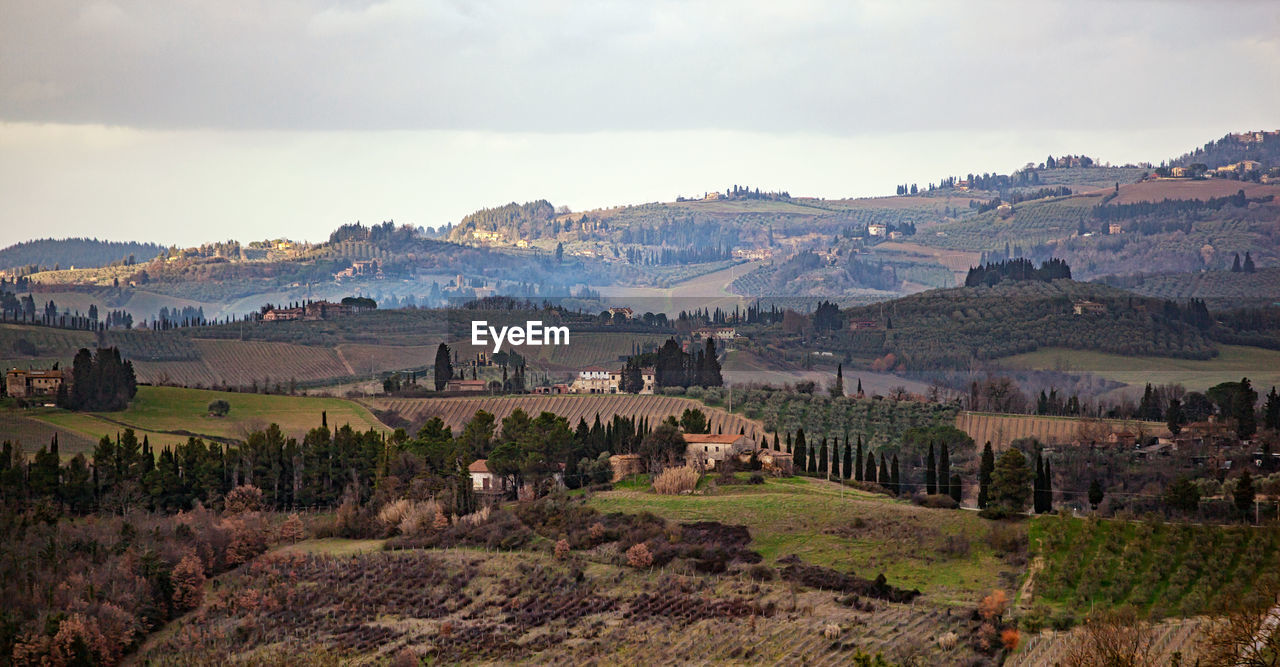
x=485, y=236
x=1115, y=228
x=857, y=325
x=597, y=380
x=324, y=310
x=877, y=229
x=625, y=465
x=624, y=312
x=649, y=377
x=484, y=481
x=1123, y=439
x=282, y=314
x=552, y=389
x=705, y=450
x=27, y=384
x=1090, y=307
x=469, y=386
x=776, y=462
x=721, y=333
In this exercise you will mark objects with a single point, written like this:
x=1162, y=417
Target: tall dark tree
x=846, y=470
x=931, y=472
x=858, y=469
x=956, y=490
x=944, y=470
x=1248, y=263
x=443, y=367
x=1095, y=493
x=1244, y=495
x=1037, y=486
x=837, y=389
x=709, y=366
x=1271, y=411
x=870, y=474
x=811, y=464
x=886, y=479
x=798, y=454
x=1011, y=481
x=895, y=482
x=1243, y=410
x=986, y=467
x=1048, y=486
x=1173, y=416
x=822, y=459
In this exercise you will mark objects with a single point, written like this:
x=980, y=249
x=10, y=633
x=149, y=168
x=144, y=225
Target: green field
x=169, y=415
x=1158, y=569
x=846, y=529
x=1261, y=366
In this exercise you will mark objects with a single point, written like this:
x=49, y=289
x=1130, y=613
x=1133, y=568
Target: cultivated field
x=51, y=345
x=18, y=427
x=1177, y=188
x=1181, y=636
x=1261, y=366
x=169, y=415
x=944, y=553
x=456, y=412
x=1002, y=429
x=957, y=261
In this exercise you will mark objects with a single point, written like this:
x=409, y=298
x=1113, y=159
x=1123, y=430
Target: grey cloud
x=826, y=67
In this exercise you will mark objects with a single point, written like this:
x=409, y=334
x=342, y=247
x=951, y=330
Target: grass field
x=19, y=427
x=169, y=414
x=1262, y=367
x=845, y=529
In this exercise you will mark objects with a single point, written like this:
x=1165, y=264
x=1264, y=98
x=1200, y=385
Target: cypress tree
x=1271, y=412
x=812, y=465
x=944, y=471
x=931, y=473
x=1048, y=486
x=1244, y=494
x=797, y=456
x=858, y=469
x=1037, y=486
x=886, y=480
x=894, y=480
x=822, y=459
x=847, y=468
x=870, y=474
x=955, y=487
x=789, y=450
x=838, y=390
x=985, y=468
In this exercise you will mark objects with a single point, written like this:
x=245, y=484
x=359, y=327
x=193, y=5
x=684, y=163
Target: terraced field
x=1001, y=429
x=456, y=412
x=51, y=345
x=1051, y=648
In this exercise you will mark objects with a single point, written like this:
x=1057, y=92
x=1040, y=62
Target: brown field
x=1171, y=188
x=1002, y=429
x=456, y=412
x=958, y=261
x=1050, y=647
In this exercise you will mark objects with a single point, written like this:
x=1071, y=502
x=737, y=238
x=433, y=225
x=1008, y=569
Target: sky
x=182, y=122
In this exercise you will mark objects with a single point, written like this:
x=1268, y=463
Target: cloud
x=504, y=65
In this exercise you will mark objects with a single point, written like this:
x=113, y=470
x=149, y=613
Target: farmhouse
x=624, y=312
x=704, y=450
x=776, y=462
x=25, y=384
x=649, y=377
x=597, y=380
x=560, y=388
x=877, y=229
x=1123, y=438
x=473, y=386
x=1115, y=228
x=323, y=310
x=486, y=236
x=483, y=481
x=282, y=314
x=1082, y=307
x=722, y=333
x=625, y=465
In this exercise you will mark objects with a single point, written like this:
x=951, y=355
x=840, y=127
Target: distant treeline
x=45, y=254
x=1173, y=207
x=1233, y=148
x=1017, y=269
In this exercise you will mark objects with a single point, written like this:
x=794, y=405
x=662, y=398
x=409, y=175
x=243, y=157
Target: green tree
x=1174, y=417
x=1095, y=493
x=443, y=367
x=693, y=420
x=1011, y=482
x=930, y=473
x=663, y=446
x=1271, y=412
x=1244, y=494
x=219, y=408
x=797, y=452
x=944, y=471
x=477, y=436
x=1182, y=496
x=822, y=458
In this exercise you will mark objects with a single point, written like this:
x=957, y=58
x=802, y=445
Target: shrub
x=756, y=478
x=188, y=582
x=562, y=549
x=1007, y=538
x=219, y=408
x=292, y=529
x=936, y=501
x=639, y=556
x=760, y=572
x=948, y=641
x=674, y=481
x=1009, y=638
x=596, y=532
x=243, y=498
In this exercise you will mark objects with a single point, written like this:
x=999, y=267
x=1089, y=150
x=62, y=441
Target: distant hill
x=1220, y=289
x=952, y=328
x=78, y=252
x=1261, y=146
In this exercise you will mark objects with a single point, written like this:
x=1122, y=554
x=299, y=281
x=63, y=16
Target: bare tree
x=1116, y=639
x=1248, y=636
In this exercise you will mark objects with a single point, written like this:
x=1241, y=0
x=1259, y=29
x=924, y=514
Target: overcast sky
x=185, y=121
